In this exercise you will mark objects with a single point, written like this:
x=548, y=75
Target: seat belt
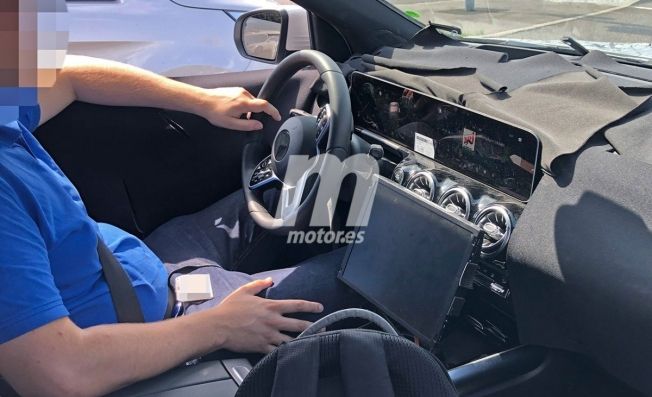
x=126, y=304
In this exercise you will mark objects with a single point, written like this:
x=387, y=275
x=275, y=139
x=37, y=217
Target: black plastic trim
x=495, y=369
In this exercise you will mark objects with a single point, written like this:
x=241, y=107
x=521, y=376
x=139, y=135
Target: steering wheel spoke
x=263, y=177
x=291, y=196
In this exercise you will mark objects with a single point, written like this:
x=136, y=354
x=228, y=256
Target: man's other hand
x=109, y=83
x=224, y=107
x=249, y=323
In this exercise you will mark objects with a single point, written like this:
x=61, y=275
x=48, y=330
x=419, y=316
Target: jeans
x=221, y=236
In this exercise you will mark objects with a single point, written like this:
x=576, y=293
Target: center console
x=210, y=378
x=474, y=166
x=488, y=306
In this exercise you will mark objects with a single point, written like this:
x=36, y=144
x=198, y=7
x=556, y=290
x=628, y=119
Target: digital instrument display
x=491, y=151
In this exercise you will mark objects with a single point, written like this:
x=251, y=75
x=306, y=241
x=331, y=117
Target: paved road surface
x=621, y=21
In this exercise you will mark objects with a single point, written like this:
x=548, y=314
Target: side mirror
x=269, y=35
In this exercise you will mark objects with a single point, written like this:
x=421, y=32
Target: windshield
x=617, y=27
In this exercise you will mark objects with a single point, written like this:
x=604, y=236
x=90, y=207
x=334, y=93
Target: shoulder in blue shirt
x=49, y=267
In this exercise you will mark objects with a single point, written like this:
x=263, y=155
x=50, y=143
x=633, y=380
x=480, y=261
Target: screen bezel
x=473, y=252
x=537, y=157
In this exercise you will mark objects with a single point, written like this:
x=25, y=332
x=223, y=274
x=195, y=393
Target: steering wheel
x=267, y=162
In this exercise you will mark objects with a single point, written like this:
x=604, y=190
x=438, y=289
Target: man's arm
x=60, y=359
x=111, y=83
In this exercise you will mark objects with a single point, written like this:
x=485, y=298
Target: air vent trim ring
x=464, y=193
x=493, y=249
x=420, y=176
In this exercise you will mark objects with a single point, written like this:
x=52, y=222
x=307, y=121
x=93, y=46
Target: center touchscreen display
x=411, y=258
x=489, y=150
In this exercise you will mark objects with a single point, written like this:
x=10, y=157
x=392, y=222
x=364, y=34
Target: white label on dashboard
x=468, y=139
x=424, y=145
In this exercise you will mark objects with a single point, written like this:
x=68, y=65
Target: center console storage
x=204, y=379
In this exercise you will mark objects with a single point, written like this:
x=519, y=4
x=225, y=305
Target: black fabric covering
x=356, y=378
x=430, y=36
x=434, y=59
x=605, y=63
x=297, y=369
x=580, y=264
x=489, y=66
x=348, y=363
x=632, y=137
x=562, y=103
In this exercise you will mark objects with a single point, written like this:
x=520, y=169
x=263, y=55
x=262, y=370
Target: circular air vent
x=403, y=172
x=323, y=122
x=398, y=175
x=497, y=222
x=423, y=184
x=457, y=201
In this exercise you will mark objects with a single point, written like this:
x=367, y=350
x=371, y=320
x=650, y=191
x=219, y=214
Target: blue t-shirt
x=49, y=266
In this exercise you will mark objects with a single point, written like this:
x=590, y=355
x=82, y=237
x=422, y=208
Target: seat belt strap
x=126, y=304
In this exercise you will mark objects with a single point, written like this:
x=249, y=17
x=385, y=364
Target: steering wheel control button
x=262, y=175
x=323, y=123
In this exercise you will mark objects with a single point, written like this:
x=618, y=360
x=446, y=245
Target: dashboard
x=476, y=167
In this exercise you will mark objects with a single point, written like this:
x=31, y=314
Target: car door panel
x=136, y=168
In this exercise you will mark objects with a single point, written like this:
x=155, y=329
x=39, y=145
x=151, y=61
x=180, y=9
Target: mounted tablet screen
x=411, y=259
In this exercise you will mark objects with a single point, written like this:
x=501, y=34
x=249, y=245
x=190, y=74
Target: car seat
x=352, y=362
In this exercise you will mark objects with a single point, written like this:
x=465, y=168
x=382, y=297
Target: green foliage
x=412, y=14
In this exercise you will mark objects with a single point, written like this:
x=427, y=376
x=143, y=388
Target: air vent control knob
x=376, y=151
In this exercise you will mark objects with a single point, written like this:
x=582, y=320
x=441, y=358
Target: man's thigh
x=313, y=280
x=223, y=233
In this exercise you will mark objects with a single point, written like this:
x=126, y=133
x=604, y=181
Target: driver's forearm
x=120, y=354
x=105, y=82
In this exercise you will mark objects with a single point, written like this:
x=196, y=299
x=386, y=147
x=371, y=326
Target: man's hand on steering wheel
x=224, y=107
